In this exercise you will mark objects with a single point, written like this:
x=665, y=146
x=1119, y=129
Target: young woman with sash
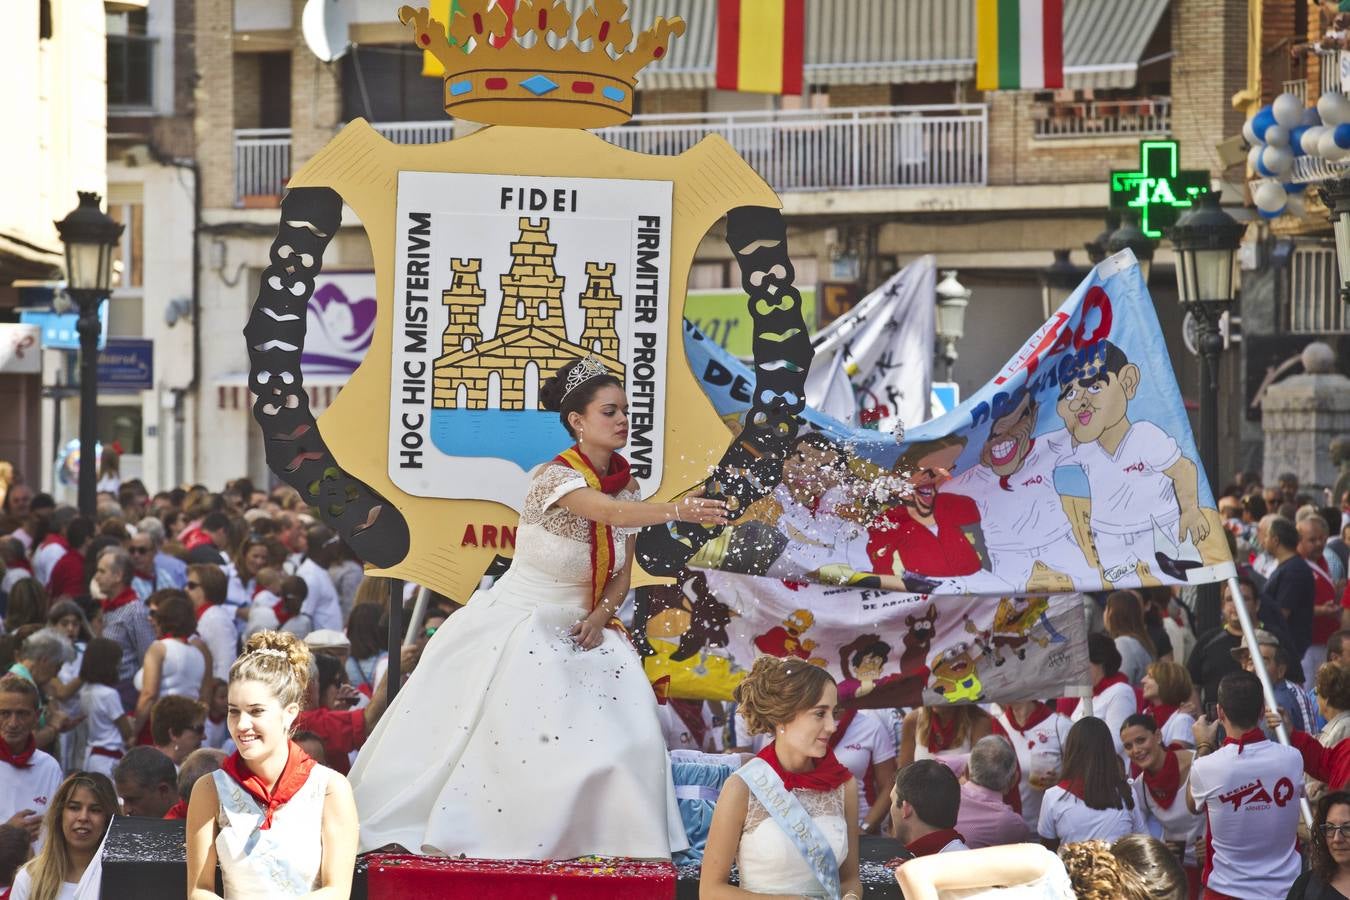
x=529, y=730
x=788, y=818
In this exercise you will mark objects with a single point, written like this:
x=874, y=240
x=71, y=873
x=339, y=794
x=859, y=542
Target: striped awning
x=1105, y=39
x=904, y=41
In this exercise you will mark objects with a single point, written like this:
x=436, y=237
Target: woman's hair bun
x=279, y=659
x=551, y=390
x=776, y=690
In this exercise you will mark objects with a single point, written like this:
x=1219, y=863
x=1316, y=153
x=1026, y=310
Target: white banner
x=885, y=346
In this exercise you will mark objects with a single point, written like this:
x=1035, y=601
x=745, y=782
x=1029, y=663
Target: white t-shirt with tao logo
x=1251, y=801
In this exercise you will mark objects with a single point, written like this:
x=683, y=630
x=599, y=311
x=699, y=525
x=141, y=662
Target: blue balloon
x=1296, y=139
x=1294, y=187
x=1264, y=118
x=1273, y=215
x=1342, y=136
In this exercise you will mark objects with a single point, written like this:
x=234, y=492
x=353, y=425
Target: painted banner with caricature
x=1073, y=469
x=699, y=638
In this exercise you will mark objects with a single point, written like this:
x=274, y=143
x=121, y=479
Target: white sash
x=795, y=821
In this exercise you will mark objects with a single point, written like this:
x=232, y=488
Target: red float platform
x=406, y=877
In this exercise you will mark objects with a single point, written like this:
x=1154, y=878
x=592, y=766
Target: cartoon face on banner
x=1073, y=470
x=701, y=637
x=524, y=292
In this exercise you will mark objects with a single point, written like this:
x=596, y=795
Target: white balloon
x=1297, y=205
x=1333, y=108
x=1278, y=160
x=1310, y=139
x=1326, y=145
x=1254, y=156
x=1277, y=136
x=1270, y=197
x=1288, y=110
x=1247, y=134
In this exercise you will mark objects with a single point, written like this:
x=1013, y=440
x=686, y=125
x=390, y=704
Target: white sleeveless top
x=282, y=861
x=181, y=673
x=770, y=863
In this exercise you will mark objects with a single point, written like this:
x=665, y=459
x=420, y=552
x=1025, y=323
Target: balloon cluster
x=1285, y=130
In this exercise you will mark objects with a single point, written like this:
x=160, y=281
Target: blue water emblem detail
x=539, y=84
x=461, y=87
x=526, y=437
x=613, y=93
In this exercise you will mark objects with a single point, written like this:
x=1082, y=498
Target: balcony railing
x=131, y=72
x=1103, y=118
x=417, y=132
x=833, y=149
x=1329, y=63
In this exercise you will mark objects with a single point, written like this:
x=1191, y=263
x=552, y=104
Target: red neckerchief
x=1073, y=786
x=1255, y=736
x=933, y=842
x=828, y=774
x=293, y=776
x=21, y=760
x=128, y=595
x=201, y=610
x=602, y=536
x=1110, y=681
x=939, y=737
x=1003, y=479
x=21, y=564
x=841, y=726
x=1164, y=785
x=1039, y=714
x=55, y=538
x=177, y=811
x=691, y=714
x=1161, y=712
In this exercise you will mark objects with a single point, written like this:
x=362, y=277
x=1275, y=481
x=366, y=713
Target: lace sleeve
x=549, y=485
x=630, y=495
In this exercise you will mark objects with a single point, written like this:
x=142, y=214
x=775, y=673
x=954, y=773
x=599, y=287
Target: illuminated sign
x=1159, y=192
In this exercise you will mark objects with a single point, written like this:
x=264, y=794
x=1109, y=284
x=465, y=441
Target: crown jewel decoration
x=589, y=367
x=488, y=71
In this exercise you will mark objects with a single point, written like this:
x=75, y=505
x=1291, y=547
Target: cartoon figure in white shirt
x=1144, y=508
x=1030, y=540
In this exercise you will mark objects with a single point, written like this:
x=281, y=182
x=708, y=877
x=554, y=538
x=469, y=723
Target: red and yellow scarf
x=602, y=536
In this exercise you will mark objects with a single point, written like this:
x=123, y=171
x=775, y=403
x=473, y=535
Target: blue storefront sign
x=58, y=329
x=127, y=364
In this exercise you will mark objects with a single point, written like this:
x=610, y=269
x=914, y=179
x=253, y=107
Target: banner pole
x=393, y=673
x=1249, y=634
x=1086, y=700
x=419, y=615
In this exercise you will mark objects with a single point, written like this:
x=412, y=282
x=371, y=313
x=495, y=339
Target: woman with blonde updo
x=1135, y=867
x=279, y=824
x=788, y=818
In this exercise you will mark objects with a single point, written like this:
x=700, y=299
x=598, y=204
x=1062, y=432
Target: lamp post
x=1057, y=282
x=1336, y=196
x=1129, y=236
x=1206, y=241
x=1096, y=248
x=952, y=299
x=90, y=236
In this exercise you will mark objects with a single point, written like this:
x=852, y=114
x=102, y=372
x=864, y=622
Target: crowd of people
x=126, y=637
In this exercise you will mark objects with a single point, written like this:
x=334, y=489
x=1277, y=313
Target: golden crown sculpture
x=491, y=78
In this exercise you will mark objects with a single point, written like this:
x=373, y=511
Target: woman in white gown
x=529, y=730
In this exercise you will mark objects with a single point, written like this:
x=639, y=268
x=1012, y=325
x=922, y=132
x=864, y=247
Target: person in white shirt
x=110, y=730
x=321, y=604
x=69, y=866
x=206, y=588
x=28, y=777
x=1092, y=799
x=1113, y=699
x=1037, y=733
x=925, y=804
x=1249, y=790
x=866, y=747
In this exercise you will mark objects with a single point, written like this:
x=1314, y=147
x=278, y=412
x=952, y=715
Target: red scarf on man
x=177, y=811
x=128, y=595
x=21, y=760
x=293, y=777
x=1164, y=785
x=1109, y=681
x=1254, y=736
x=602, y=536
x=828, y=774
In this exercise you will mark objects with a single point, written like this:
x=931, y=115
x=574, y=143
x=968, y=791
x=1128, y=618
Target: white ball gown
x=511, y=742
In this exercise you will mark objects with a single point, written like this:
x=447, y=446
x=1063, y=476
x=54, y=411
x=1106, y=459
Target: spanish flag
x=759, y=45
x=1019, y=45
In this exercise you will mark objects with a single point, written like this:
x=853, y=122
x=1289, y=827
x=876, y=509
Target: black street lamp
x=91, y=237
x=1096, y=248
x=1206, y=242
x=1129, y=236
x=952, y=299
x=1058, y=281
x=1336, y=196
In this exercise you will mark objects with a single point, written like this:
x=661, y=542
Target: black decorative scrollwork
x=372, y=526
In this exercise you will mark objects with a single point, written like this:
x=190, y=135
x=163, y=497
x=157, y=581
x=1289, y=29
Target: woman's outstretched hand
x=700, y=510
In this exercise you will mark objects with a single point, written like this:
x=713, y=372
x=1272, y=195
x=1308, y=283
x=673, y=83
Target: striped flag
x=759, y=45
x=1020, y=45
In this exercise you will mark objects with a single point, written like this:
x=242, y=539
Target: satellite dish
x=324, y=25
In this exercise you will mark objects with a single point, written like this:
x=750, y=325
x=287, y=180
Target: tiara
x=268, y=651
x=582, y=372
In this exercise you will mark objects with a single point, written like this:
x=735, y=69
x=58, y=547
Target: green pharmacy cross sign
x=1159, y=192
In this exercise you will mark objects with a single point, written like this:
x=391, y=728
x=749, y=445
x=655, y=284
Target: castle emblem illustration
x=531, y=334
